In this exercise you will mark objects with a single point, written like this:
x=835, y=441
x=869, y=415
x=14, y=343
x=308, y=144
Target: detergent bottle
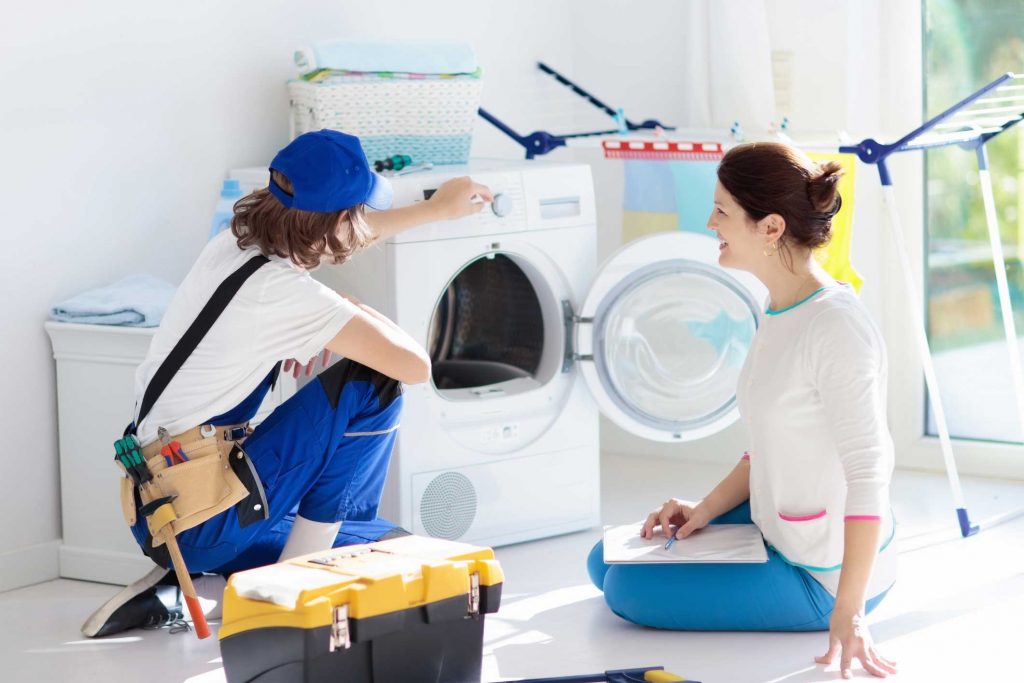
x=230, y=193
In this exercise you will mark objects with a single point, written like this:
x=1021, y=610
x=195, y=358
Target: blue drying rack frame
x=541, y=142
x=970, y=124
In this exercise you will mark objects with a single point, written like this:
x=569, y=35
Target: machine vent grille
x=448, y=506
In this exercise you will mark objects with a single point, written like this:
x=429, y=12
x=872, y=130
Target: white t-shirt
x=280, y=312
x=812, y=394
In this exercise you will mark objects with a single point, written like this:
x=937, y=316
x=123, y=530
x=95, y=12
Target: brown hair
x=771, y=177
x=304, y=237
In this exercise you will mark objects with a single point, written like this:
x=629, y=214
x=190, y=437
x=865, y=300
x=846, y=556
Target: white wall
x=120, y=118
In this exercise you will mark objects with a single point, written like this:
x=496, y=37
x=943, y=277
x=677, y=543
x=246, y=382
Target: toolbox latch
x=339, y=629
x=474, y=594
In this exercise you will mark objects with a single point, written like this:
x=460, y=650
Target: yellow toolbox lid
x=370, y=580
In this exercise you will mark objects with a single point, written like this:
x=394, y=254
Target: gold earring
x=770, y=248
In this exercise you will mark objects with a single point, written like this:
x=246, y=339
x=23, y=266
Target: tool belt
x=213, y=473
x=217, y=475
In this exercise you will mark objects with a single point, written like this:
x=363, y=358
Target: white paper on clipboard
x=728, y=543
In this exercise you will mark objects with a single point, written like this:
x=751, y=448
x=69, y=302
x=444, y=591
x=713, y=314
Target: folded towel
x=134, y=301
x=408, y=57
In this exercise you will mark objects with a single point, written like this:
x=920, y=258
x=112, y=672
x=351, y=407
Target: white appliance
x=502, y=445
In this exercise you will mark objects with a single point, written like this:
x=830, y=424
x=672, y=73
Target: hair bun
x=822, y=188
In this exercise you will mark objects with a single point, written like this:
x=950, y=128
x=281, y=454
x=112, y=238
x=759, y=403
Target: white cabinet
x=95, y=376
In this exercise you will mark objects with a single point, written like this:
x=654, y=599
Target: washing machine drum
x=487, y=327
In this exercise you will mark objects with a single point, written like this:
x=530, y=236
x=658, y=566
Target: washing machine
x=530, y=342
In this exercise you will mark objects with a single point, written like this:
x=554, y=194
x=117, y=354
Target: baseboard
x=89, y=564
x=26, y=566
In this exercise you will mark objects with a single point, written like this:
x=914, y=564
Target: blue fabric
x=407, y=57
x=695, y=193
x=685, y=188
x=308, y=466
x=133, y=301
x=250, y=405
x=772, y=596
x=649, y=187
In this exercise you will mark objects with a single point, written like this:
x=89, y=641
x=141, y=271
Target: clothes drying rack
x=970, y=124
x=645, y=140
x=541, y=142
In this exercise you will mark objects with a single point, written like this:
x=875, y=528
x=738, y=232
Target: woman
x=812, y=396
x=321, y=457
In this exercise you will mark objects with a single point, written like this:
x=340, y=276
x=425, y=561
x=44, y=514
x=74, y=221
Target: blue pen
x=672, y=540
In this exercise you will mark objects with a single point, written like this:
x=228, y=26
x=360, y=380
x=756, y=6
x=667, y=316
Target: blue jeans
x=323, y=454
x=771, y=596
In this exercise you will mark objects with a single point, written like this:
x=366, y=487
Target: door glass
x=670, y=343
x=487, y=327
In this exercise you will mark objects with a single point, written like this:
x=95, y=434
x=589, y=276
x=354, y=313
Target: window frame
x=903, y=110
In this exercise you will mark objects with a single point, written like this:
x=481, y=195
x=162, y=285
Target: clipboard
x=715, y=543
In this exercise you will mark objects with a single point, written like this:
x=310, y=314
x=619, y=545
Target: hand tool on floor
x=650, y=674
x=161, y=515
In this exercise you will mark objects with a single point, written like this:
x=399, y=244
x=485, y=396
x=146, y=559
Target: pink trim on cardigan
x=746, y=456
x=802, y=518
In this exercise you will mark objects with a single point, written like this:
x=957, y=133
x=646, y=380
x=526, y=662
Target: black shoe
x=136, y=606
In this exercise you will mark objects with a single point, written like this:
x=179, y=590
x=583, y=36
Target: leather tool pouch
x=217, y=476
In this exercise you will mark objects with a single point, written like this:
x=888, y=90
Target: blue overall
x=322, y=454
x=771, y=596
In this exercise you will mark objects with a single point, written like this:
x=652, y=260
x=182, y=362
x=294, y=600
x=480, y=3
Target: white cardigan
x=812, y=395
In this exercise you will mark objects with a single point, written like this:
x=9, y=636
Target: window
x=968, y=43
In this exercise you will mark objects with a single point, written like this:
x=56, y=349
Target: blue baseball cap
x=328, y=172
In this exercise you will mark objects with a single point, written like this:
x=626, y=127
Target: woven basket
x=429, y=120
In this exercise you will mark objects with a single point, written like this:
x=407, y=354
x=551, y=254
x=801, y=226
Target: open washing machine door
x=662, y=336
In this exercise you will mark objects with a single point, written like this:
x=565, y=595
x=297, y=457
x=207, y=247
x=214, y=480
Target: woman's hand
x=456, y=198
x=849, y=633
x=295, y=367
x=686, y=516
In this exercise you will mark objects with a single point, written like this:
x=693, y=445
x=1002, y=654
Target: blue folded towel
x=134, y=301
x=408, y=57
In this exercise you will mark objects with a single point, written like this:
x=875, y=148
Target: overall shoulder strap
x=194, y=334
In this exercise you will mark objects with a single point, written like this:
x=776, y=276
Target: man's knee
x=335, y=378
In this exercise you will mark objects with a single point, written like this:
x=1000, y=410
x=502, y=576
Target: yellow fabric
x=835, y=256
x=637, y=224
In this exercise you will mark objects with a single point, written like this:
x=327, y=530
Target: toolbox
x=406, y=609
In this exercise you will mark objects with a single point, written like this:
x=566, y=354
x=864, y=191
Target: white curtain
x=728, y=66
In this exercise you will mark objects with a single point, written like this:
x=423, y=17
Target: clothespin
x=736, y=131
x=620, y=121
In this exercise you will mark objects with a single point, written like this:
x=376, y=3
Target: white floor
x=955, y=615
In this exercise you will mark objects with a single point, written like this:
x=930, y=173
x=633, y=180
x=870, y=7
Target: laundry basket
x=429, y=119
